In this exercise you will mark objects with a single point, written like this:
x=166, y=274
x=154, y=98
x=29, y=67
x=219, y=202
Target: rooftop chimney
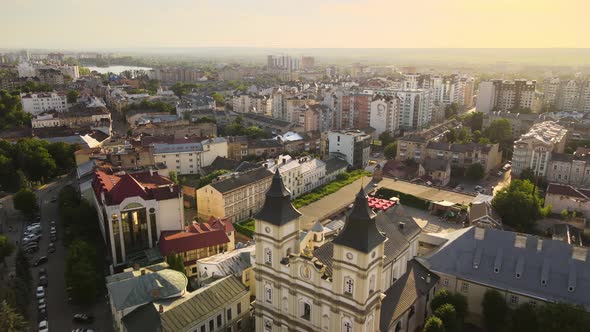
x=135, y=267
x=142, y=271
x=539, y=244
x=160, y=308
x=520, y=241
x=480, y=233
x=579, y=253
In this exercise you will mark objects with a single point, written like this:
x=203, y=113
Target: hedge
x=342, y=180
x=245, y=227
x=405, y=199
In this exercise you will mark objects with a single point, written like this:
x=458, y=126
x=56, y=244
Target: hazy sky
x=83, y=24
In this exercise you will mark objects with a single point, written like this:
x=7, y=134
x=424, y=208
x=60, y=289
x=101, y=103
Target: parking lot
x=59, y=310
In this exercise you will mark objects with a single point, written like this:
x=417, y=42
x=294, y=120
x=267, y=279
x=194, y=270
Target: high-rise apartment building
x=506, y=95
x=284, y=62
x=568, y=96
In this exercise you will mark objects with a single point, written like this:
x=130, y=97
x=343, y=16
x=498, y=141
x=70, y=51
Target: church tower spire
x=277, y=209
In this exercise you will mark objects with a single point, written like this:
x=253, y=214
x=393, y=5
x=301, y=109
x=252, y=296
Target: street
x=59, y=310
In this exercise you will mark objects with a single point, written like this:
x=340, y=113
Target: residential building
x=351, y=145
x=523, y=268
x=35, y=103
x=134, y=209
x=290, y=170
x=155, y=299
x=519, y=123
x=313, y=174
x=237, y=196
x=335, y=166
x=415, y=108
x=307, y=62
x=504, y=95
x=482, y=214
x=193, y=102
x=245, y=103
x=50, y=76
x=351, y=282
x=564, y=197
x=567, y=95
x=573, y=169
x=199, y=240
x=437, y=171
x=238, y=262
x=270, y=124
x=189, y=156
x=533, y=150
x=385, y=114
x=264, y=147
x=178, y=74
x=283, y=62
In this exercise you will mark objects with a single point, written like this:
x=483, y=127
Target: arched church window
x=348, y=285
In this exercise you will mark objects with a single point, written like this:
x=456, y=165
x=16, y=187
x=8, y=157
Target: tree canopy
x=11, y=111
x=386, y=138
x=495, y=311
x=25, y=201
x=390, y=150
x=475, y=172
x=80, y=273
x=6, y=248
x=458, y=301
x=519, y=206
x=433, y=324
x=11, y=320
x=448, y=315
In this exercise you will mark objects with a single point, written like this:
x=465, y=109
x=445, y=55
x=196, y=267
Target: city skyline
x=344, y=24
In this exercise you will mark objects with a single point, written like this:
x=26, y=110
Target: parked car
x=44, y=326
x=500, y=173
x=42, y=271
x=43, y=281
x=51, y=248
x=83, y=318
x=53, y=199
x=83, y=330
x=40, y=292
x=42, y=314
x=41, y=304
x=41, y=260
x=459, y=187
x=31, y=249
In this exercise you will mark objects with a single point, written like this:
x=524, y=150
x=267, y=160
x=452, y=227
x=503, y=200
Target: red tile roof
x=119, y=186
x=185, y=241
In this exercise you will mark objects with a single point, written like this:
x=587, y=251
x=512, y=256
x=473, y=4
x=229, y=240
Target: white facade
x=45, y=121
x=247, y=103
x=384, y=115
x=352, y=146
x=313, y=174
x=36, y=103
x=485, y=97
x=415, y=108
x=190, y=158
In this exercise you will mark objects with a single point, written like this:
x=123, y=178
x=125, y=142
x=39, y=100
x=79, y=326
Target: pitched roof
x=144, y=318
x=565, y=190
x=277, y=208
x=404, y=292
x=181, y=315
x=435, y=164
x=178, y=242
x=238, y=180
x=119, y=186
x=360, y=231
x=335, y=164
x=525, y=264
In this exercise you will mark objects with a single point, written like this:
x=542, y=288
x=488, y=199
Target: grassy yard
x=342, y=180
x=245, y=227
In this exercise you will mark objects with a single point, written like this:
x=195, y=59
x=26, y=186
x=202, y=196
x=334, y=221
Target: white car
x=43, y=326
x=40, y=292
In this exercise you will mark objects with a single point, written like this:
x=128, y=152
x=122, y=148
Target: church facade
x=363, y=279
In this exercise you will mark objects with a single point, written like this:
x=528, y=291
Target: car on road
x=40, y=292
x=42, y=271
x=53, y=199
x=41, y=260
x=42, y=304
x=83, y=318
x=82, y=330
x=31, y=249
x=51, y=248
x=42, y=315
x=52, y=223
x=43, y=281
x=43, y=326
x=500, y=173
x=53, y=238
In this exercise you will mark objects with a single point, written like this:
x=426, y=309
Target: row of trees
x=237, y=128
x=82, y=237
x=159, y=106
x=34, y=160
x=11, y=111
x=551, y=317
x=15, y=296
x=449, y=312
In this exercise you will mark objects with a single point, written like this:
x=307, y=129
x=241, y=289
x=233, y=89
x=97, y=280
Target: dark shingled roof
x=335, y=164
x=240, y=180
x=360, y=231
x=565, y=190
x=277, y=208
x=435, y=164
x=144, y=318
x=404, y=292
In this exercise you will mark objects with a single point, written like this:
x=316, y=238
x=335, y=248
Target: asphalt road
x=59, y=310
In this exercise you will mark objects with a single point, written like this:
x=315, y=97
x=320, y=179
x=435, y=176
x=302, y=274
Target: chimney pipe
x=160, y=308
x=142, y=272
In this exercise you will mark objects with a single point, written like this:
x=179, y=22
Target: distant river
x=117, y=69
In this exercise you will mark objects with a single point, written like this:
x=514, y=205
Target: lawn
x=342, y=180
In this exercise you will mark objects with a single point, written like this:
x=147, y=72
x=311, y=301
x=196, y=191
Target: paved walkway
x=432, y=194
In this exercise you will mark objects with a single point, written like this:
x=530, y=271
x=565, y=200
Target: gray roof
x=277, y=208
x=143, y=319
x=264, y=143
x=435, y=164
x=134, y=291
x=404, y=292
x=201, y=303
x=242, y=179
x=177, y=147
x=496, y=261
x=335, y=164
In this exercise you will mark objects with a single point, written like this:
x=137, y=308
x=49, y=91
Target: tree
x=25, y=201
x=219, y=100
x=390, y=150
x=433, y=324
x=558, y=317
x=462, y=135
x=499, y=131
x=81, y=273
x=10, y=320
x=495, y=311
x=63, y=154
x=524, y=319
x=518, y=205
x=475, y=172
x=72, y=96
x=256, y=132
x=385, y=138
x=448, y=315
x=451, y=110
x=474, y=120
x=11, y=111
x=32, y=156
x=6, y=248
x=176, y=262
x=528, y=174
x=451, y=135
x=458, y=301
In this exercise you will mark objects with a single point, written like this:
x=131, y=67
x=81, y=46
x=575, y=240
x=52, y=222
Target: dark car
x=42, y=260
x=42, y=271
x=83, y=318
x=51, y=248
x=43, y=281
x=42, y=314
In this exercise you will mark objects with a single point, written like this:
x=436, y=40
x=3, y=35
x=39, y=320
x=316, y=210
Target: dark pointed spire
x=360, y=231
x=277, y=208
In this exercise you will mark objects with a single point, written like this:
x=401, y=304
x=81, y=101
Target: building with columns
x=363, y=279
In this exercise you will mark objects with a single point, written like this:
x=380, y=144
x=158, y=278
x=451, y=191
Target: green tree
x=518, y=205
x=463, y=135
x=390, y=150
x=23, y=287
x=11, y=112
x=256, y=132
x=219, y=100
x=458, y=301
x=84, y=71
x=81, y=273
x=63, y=154
x=499, y=131
x=25, y=201
x=524, y=319
x=528, y=174
x=561, y=317
x=474, y=121
x=10, y=320
x=6, y=248
x=451, y=110
x=72, y=96
x=386, y=138
x=32, y=156
x=451, y=135
x=176, y=262
x=448, y=315
x=475, y=172
x=564, y=213
x=495, y=311
x=433, y=324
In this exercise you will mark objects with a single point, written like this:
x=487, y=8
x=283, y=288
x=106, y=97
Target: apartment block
x=35, y=103
x=534, y=149
x=350, y=145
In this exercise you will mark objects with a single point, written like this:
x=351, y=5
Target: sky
x=95, y=24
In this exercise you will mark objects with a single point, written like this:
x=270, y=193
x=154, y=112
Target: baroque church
x=364, y=278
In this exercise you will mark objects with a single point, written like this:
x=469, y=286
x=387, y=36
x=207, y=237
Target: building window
x=211, y=325
x=219, y=320
x=229, y=314
x=514, y=299
x=203, y=328
x=239, y=308
x=239, y=325
x=267, y=256
x=347, y=326
x=371, y=284
x=268, y=293
x=533, y=303
x=306, y=311
x=464, y=287
x=348, y=285
x=446, y=282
